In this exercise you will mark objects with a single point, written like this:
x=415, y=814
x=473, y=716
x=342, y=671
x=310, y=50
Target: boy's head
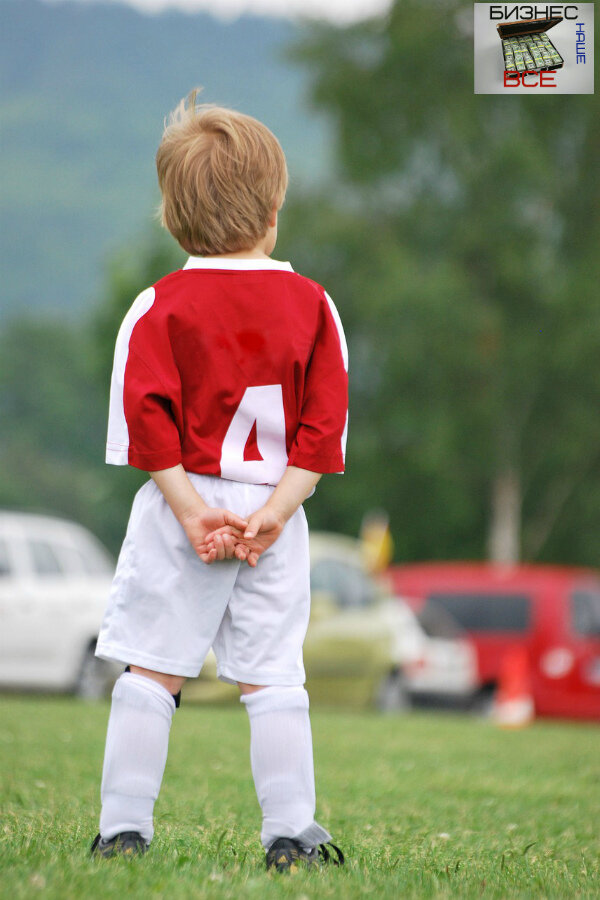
x=221, y=175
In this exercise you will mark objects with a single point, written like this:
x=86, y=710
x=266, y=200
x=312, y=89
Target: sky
x=338, y=11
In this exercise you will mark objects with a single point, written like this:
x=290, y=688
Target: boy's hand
x=266, y=524
x=223, y=526
x=264, y=527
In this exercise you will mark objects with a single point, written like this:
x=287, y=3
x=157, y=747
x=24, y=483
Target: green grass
x=423, y=805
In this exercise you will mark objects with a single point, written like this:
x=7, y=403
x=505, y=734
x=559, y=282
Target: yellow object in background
x=376, y=541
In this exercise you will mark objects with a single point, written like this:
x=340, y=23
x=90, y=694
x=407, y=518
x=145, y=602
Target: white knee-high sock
x=282, y=764
x=136, y=752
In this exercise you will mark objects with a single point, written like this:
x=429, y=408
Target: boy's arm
x=294, y=487
x=197, y=518
x=320, y=440
x=266, y=524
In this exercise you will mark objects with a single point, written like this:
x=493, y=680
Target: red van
x=553, y=612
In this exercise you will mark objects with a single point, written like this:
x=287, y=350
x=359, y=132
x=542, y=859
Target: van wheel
x=95, y=677
x=392, y=694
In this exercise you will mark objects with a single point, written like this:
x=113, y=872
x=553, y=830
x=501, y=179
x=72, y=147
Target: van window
x=585, y=611
x=479, y=611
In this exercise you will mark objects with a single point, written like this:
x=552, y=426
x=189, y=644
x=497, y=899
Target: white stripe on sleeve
x=344, y=349
x=117, y=442
x=341, y=335
x=345, y=438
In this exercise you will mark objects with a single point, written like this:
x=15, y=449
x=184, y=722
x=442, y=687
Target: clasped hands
x=217, y=534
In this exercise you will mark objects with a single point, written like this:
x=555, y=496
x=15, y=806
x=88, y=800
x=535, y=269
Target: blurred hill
x=84, y=90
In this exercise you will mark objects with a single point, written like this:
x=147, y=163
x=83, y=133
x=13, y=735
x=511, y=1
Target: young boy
x=230, y=388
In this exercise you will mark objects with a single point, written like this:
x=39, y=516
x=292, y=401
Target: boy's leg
x=259, y=643
x=281, y=756
x=154, y=620
x=136, y=751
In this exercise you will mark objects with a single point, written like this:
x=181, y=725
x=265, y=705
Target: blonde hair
x=220, y=173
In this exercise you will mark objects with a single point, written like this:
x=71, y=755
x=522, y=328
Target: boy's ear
x=273, y=219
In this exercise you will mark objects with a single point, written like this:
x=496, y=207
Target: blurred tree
x=128, y=272
x=461, y=240
x=52, y=422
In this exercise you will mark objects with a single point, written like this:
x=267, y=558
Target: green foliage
x=404, y=450
x=52, y=422
x=423, y=806
x=52, y=397
x=460, y=244
x=136, y=267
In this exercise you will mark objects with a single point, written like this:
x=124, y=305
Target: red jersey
x=231, y=367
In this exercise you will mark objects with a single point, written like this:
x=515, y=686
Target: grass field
x=424, y=806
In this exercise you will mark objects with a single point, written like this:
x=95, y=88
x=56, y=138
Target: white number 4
x=262, y=407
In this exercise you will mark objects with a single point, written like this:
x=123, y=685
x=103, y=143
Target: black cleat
x=128, y=844
x=286, y=855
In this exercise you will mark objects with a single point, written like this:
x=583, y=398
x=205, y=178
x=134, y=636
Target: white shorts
x=167, y=608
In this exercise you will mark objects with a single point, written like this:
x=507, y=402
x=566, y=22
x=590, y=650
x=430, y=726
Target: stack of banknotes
x=530, y=53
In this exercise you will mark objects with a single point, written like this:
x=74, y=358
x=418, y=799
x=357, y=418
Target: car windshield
x=74, y=555
x=86, y=559
x=585, y=610
x=437, y=622
x=347, y=584
x=45, y=559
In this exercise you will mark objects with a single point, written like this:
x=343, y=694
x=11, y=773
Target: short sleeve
x=320, y=441
x=145, y=393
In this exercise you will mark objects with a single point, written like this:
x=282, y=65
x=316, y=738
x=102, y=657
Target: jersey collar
x=240, y=265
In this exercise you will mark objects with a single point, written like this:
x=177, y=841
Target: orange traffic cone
x=513, y=706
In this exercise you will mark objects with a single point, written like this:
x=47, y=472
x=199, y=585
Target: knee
x=173, y=683
x=250, y=688
x=275, y=698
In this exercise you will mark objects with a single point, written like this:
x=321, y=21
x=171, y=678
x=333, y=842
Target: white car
x=446, y=672
x=54, y=583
